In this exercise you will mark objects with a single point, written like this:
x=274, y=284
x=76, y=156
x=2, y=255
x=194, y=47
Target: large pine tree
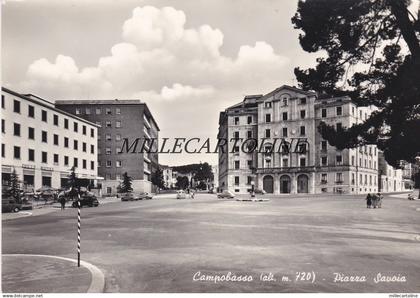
x=371, y=53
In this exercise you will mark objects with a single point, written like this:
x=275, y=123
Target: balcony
x=281, y=170
x=339, y=182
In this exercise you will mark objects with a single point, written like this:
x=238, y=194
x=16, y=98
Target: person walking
x=63, y=202
x=380, y=197
x=369, y=201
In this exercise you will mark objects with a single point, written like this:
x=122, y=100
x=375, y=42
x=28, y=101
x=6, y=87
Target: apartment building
x=42, y=143
x=119, y=119
x=294, y=157
x=390, y=178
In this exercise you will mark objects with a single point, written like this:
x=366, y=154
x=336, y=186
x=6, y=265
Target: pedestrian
x=380, y=197
x=369, y=201
x=192, y=194
x=63, y=202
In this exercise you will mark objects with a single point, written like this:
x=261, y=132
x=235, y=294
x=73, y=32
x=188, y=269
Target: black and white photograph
x=210, y=146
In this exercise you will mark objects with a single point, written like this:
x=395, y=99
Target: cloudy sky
x=187, y=59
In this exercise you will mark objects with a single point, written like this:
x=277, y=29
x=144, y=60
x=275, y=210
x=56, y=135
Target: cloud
x=159, y=57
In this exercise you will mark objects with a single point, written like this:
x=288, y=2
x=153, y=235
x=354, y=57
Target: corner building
x=42, y=143
x=295, y=158
x=119, y=119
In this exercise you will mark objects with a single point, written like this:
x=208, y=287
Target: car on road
x=10, y=205
x=259, y=191
x=129, y=196
x=145, y=196
x=225, y=194
x=180, y=194
x=88, y=200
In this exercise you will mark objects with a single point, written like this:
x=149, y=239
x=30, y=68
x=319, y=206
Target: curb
x=98, y=279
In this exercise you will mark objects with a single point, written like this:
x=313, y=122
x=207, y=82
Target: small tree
x=157, y=178
x=182, y=182
x=126, y=183
x=14, y=189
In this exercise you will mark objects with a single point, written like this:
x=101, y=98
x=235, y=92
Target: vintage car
x=9, y=204
x=180, y=194
x=87, y=199
x=226, y=194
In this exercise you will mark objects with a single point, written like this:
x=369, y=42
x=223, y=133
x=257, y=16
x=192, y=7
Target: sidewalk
x=37, y=274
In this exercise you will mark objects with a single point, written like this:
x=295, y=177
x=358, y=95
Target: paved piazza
x=161, y=244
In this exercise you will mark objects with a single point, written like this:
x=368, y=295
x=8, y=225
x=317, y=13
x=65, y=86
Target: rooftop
x=99, y=102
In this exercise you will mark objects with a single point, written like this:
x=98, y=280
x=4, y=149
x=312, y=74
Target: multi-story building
x=42, y=143
x=119, y=120
x=291, y=156
x=390, y=178
x=168, y=177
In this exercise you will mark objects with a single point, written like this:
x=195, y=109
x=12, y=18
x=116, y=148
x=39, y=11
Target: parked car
x=10, y=205
x=145, y=196
x=87, y=200
x=260, y=191
x=180, y=194
x=226, y=194
x=129, y=196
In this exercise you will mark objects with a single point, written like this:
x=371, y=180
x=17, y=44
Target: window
x=285, y=102
x=78, y=112
x=302, y=101
x=3, y=126
x=285, y=132
x=352, y=161
x=324, y=160
x=302, y=114
x=267, y=104
x=66, y=160
x=267, y=118
x=84, y=147
x=108, y=137
x=66, y=123
x=55, y=139
x=16, y=152
x=236, y=149
x=66, y=142
x=75, y=127
x=108, y=163
x=324, y=178
x=339, y=126
x=303, y=162
x=75, y=162
x=55, y=120
x=324, y=145
x=2, y=101
x=249, y=119
x=236, y=120
x=117, y=111
x=92, y=165
x=108, y=124
x=84, y=164
x=44, y=157
x=339, y=177
x=249, y=180
x=236, y=164
x=339, y=111
x=118, y=137
x=16, y=106
x=118, y=164
x=107, y=150
x=92, y=132
x=117, y=124
x=374, y=151
x=285, y=116
x=285, y=162
x=92, y=149
x=236, y=180
x=31, y=155
x=44, y=136
x=108, y=111
x=249, y=162
x=44, y=115
x=352, y=178
x=56, y=159
x=339, y=159
x=31, y=111
x=249, y=134
x=302, y=130
x=268, y=133
x=75, y=145
x=87, y=111
x=302, y=148
x=31, y=133
x=98, y=111
x=16, y=129
x=84, y=129
x=324, y=113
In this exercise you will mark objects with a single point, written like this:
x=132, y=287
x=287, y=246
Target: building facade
x=390, y=178
x=168, y=176
x=42, y=143
x=119, y=120
x=291, y=156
